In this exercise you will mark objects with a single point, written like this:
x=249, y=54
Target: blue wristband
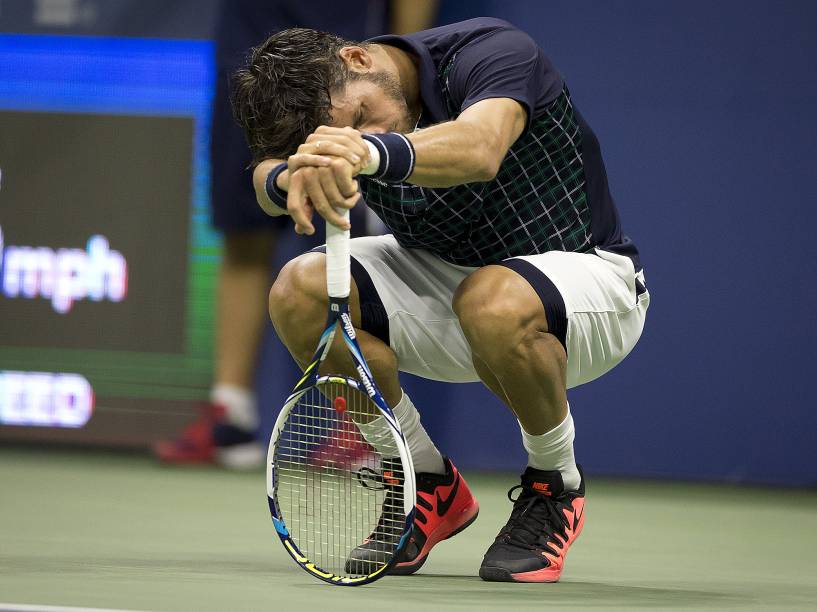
x=275, y=193
x=397, y=156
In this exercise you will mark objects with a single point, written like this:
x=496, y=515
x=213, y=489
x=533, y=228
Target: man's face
x=372, y=102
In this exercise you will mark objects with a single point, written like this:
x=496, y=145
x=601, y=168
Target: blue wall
x=707, y=115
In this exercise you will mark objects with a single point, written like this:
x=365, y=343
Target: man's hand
x=321, y=176
x=321, y=189
x=345, y=143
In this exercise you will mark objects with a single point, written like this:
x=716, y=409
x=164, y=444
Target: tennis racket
x=342, y=503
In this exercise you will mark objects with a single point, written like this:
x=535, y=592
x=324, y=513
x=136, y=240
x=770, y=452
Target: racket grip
x=338, y=259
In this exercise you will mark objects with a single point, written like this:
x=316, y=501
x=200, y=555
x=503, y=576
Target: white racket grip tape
x=338, y=259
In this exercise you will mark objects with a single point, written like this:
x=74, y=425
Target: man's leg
x=298, y=305
x=516, y=356
x=520, y=361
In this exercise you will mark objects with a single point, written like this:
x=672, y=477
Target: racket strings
x=342, y=499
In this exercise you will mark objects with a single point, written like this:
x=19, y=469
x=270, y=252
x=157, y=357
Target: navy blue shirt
x=551, y=191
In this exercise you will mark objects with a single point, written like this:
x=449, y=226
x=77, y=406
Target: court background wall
x=706, y=116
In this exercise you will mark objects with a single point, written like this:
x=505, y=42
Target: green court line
x=117, y=531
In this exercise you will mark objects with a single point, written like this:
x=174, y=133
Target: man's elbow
x=487, y=166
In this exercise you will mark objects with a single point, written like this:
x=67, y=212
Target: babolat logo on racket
x=347, y=325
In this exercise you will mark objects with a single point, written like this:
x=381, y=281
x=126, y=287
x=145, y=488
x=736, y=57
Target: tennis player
x=507, y=262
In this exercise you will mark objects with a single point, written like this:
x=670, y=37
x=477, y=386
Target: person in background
x=226, y=432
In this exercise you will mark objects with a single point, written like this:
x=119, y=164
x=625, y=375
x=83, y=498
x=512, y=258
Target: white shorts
x=406, y=299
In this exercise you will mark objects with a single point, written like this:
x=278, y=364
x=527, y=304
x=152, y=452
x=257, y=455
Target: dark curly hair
x=282, y=92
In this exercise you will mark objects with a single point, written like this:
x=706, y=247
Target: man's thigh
x=409, y=292
x=605, y=304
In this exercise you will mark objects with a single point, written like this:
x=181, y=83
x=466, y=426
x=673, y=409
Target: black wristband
x=397, y=156
x=277, y=195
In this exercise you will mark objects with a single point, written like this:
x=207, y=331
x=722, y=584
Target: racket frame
x=339, y=318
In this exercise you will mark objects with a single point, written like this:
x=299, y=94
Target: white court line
x=12, y=607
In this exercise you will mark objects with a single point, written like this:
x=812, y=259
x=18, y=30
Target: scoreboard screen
x=107, y=261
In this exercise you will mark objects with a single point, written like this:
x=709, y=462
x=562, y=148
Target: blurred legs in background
x=226, y=433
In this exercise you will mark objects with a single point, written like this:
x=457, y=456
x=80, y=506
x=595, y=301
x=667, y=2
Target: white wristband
x=374, y=159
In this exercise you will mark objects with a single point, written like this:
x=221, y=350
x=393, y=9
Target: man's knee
x=498, y=311
x=297, y=299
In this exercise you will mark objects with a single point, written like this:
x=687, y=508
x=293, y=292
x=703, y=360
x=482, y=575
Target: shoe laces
x=534, y=521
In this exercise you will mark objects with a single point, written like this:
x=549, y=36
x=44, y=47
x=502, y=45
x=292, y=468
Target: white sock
x=553, y=450
x=378, y=435
x=239, y=403
x=426, y=457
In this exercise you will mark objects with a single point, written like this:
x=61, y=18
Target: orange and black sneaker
x=377, y=548
x=544, y=522
x=445, y=506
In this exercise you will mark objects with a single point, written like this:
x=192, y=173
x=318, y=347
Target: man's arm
x=469, y=149
x=466, y=150
x=498, y=82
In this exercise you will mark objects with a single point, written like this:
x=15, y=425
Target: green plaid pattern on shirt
x=536, y=203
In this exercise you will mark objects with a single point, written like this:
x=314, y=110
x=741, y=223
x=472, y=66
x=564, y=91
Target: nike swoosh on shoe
x=444, y=505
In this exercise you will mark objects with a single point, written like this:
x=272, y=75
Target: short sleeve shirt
x=551, y=190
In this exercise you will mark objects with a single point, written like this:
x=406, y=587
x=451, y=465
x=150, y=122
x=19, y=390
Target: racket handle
x=338, y=259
